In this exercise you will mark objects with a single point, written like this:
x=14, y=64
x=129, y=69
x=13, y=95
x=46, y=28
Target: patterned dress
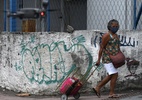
x=112, y=47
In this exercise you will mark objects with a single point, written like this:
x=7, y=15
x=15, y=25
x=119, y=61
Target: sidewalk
x=125, y=95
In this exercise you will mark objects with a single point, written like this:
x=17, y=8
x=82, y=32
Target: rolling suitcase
x=72, y=85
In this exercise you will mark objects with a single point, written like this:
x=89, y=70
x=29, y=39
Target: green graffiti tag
x=45, y=63
x=18, y=68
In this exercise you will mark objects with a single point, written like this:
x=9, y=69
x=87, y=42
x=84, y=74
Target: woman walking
x=110, y=43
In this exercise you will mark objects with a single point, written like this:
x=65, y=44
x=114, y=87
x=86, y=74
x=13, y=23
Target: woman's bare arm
x=105, y=39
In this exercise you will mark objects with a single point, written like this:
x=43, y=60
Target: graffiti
x=46, y=63
x=132, y=66
x=130, y=42
x=79, y=39
x=17, y=67
x=96, y=39
x=124, y=41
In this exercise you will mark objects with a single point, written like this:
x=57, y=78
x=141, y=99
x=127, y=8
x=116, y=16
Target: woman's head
x=113, y=25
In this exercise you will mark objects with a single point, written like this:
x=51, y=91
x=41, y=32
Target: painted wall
x=38, y=62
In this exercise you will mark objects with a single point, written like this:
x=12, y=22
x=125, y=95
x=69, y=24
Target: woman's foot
x=113, y=96
x=96, y=92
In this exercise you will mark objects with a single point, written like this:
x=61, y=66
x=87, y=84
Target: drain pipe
x=12, y=20
x=4, y=15
x=139, y=14
x=134, y=26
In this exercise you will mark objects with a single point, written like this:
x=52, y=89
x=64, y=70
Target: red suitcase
x=70, y=86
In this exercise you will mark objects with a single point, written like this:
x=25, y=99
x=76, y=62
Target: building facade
x=80, y=14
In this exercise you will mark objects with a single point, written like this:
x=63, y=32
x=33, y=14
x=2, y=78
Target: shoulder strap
x=111, y=36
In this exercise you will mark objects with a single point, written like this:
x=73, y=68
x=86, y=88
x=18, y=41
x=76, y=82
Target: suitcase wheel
x=76, y=96
x=64, y=97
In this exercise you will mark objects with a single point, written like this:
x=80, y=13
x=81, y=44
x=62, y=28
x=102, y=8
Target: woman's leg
x=112, y=83
x=102, y=83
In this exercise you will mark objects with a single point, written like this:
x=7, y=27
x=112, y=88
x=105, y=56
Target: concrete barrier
x=38, y=62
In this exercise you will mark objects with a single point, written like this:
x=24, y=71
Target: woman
x=110, y=44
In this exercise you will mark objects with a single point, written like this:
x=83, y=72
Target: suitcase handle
x=96, y=68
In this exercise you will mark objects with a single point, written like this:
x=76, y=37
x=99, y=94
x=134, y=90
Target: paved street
x=138, y=97
x=126, y=95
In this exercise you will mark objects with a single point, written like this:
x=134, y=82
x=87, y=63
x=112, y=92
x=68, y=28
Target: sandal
x=97, y=93
x=113, y=96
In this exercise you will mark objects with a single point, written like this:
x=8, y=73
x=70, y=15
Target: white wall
x=38, y=62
